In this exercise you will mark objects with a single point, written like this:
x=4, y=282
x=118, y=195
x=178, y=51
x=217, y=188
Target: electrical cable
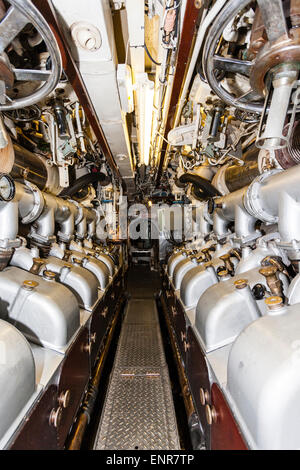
x=150, y=56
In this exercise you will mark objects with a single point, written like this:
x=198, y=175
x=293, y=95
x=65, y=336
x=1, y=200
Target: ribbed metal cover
x=138, y=412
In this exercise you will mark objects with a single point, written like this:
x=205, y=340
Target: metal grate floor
x=138, y=412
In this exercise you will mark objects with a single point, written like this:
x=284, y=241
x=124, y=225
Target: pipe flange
x=38, y=206
x=251, y=198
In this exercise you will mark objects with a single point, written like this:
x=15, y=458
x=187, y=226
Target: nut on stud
x=241, y=283
x=223, y=273
x=274, y=302
x=49, y=275
x=29, y=285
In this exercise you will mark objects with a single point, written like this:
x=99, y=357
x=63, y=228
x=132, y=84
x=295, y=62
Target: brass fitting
x=37, y=263
x=274, y=284
x=227, y=262
x=206, y=254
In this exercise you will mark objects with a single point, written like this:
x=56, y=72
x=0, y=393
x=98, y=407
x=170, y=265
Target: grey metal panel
x=48, y=314
x=263, y=380
x=138, y=411
x=17, y=374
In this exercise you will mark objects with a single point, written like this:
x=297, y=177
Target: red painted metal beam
x=188, y=31
x=74, y=76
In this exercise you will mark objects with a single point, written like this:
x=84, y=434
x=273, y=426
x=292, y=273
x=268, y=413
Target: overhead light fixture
x=125, y=86
x=145, y=115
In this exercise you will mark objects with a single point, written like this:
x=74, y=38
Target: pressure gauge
x=7, y=188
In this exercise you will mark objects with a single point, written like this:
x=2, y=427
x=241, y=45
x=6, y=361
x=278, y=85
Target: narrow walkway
x=138, y=412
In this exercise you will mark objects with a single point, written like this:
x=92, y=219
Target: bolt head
x=64, y=399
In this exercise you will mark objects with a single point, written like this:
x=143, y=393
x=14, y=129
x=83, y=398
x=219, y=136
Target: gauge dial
x=7, y=188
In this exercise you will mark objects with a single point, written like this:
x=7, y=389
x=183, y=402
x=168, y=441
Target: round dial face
x=7, y=188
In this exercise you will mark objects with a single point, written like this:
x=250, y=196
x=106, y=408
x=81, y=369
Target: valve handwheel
x=19, y=14
x=282, y=46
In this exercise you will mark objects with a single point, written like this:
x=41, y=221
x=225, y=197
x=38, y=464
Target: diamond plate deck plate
x=140, y=346
x=138, y=412
x=142, y=311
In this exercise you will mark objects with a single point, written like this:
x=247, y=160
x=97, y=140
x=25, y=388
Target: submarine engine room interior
x=149, y=225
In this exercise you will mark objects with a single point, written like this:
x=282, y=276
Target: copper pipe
x=83, y=419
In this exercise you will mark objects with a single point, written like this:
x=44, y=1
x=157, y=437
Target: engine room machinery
x=149, y=218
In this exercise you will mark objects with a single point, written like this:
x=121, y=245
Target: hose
x=84, y=181
x=202, y=188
